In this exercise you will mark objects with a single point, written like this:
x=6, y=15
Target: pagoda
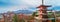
x=43, y=12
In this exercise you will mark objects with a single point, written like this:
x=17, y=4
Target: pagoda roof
x=44, y=6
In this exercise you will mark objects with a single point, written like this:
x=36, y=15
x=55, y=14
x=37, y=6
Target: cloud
x=32, y=2
x=52, y=2
x=22, y=7
x=15, y=8
x=26, y=4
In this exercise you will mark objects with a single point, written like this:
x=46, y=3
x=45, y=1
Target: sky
x=14, y=5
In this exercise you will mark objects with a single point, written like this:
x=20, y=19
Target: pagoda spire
x=42, y=2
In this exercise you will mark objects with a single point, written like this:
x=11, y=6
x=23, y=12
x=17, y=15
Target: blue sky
x=13, y=5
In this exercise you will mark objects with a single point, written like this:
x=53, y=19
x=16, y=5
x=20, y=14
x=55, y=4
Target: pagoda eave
x=44, y=6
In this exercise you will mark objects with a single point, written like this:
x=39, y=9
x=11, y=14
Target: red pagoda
x=43, y=12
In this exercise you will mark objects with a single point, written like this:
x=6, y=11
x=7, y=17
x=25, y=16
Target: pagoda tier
x=44, y=6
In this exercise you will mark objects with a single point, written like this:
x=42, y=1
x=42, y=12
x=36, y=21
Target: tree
x=21, y=20
x=35, y=14
x=15, y=18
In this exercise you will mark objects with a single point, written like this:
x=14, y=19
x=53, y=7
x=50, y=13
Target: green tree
x=21, y=20
x=15, y=18
x=35, y=14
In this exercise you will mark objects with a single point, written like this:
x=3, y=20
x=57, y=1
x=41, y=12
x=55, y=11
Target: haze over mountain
x=23, y=11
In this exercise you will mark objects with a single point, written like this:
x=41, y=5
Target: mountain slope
x=23, y=11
